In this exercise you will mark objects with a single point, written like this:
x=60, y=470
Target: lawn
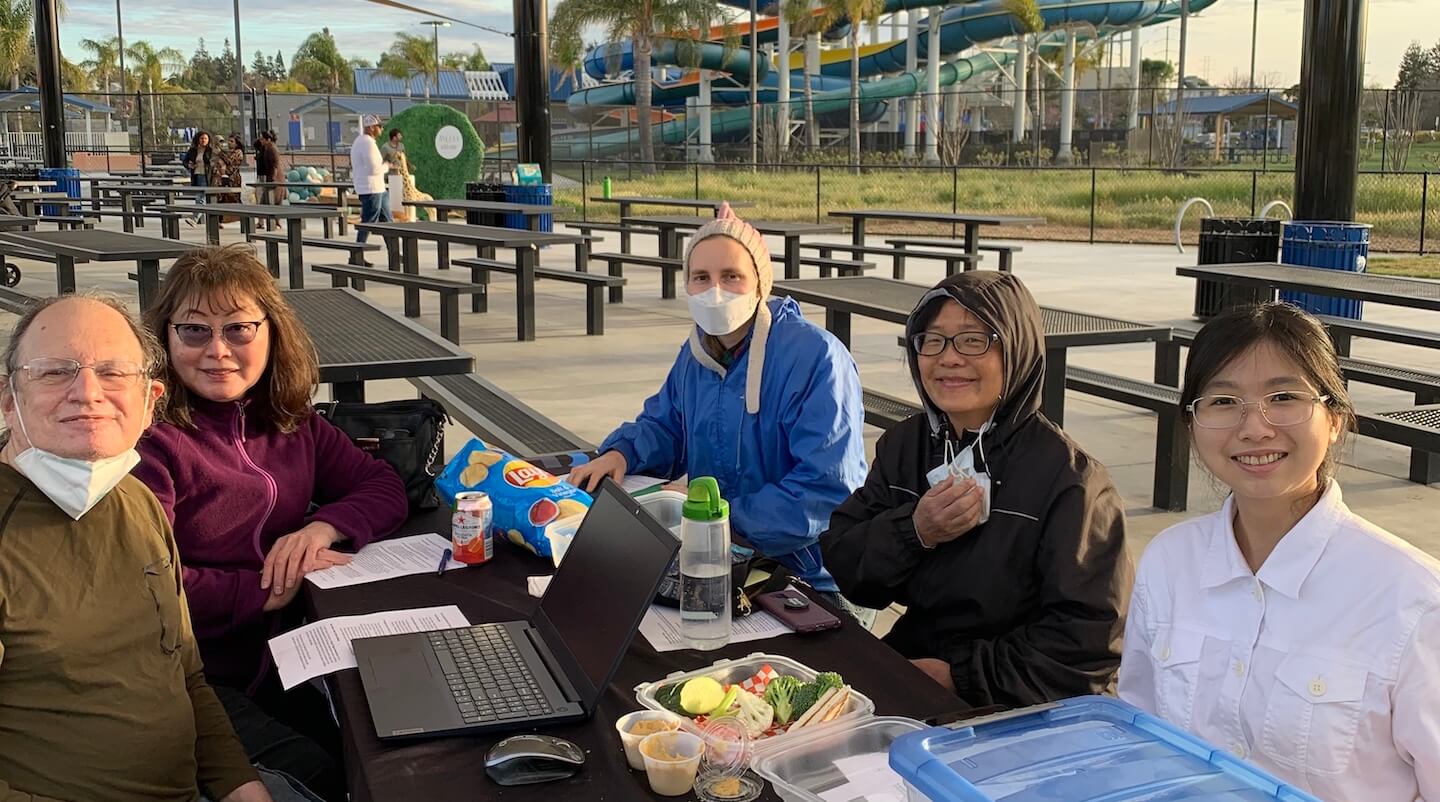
x=1407, y=266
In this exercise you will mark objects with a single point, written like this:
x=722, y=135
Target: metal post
x=1180, y=87
x=140, y=120
x=1254, y=38
x=782, y=49
x=1384, y=130
x=912, y=63
x=932, y=88
x=1135, y=78
x=52, y=101
x=1017, y=104
x=707, y=153
x=754, y=95
x=1067, y=102
x=239, y=74
x=817, y=194
x=1327, y=139
x=1094, y=199
x=1424, y=207
x=532, y=84
x=120, y=39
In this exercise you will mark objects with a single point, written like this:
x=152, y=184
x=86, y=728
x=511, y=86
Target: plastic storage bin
x=1330, y=246
x=729, y=672
x=537, y=195
x=1087, y=748
x=815, y=769
x=67, y=180
x=1231, y=240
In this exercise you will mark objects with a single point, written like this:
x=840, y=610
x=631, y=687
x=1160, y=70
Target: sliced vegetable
x=755, y=713
x=669, y=698
x=701, y=695
x=780, y=693
x=726, y=703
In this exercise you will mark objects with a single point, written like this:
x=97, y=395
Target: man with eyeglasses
x=102, y=694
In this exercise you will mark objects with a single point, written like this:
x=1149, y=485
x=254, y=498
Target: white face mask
x=75, y=485
x=962, y=467
x=718, y=312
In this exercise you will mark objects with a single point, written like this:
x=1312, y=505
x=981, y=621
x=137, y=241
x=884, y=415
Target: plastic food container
x=852, y=756
x=663, y=504
x=1090, y=747
x=560, y=533
x=671, y=761
x=731, y=672
x=632, y=740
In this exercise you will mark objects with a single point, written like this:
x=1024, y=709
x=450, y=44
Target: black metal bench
x=955, y=261
x=615, y=266
x=1418, y=428
x=884, y=411
x=169, y=221
x=273, y=241
x=16, y=302
x=448, y=290
x=828, y=265
x=65, y=221
x=586, y=227
x=1172, y=439
x=1343, y=330
x=595, y=286
x=1004, y=249
x=497, y=417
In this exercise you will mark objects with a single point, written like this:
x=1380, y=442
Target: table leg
x=94, y=197
x=972, y=237
x=344, y=211
x=348, y=391
x=247, y=227
x=624, y=235
x=838, y=324
x=532, y=222
x=857, y=233
x=149, y=282
x=1052, y=399
x=1167, y=363
x=669, y=244
x=212, y=229
x=525, y=259
x=480, y=302
x=327, y=226
x=295, y=246
x=411, y=251
x=64, y=274
x=170, y=227
x=582, y=256
x=442, y=253
x=792, y=257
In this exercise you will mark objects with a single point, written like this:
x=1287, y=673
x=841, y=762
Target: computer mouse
x=526, y=759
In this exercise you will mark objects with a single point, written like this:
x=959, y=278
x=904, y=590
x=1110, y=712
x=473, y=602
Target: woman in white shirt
x=1285, y=628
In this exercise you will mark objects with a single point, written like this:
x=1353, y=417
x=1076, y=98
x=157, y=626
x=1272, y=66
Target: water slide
x=962, y=26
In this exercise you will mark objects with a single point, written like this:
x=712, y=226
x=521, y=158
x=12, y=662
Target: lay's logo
x=520, y=473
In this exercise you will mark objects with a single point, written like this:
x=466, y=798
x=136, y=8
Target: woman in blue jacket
x=763, y=400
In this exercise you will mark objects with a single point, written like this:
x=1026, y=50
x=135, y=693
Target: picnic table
x=27, y=202
x=340, y=187
x=486, y=239
x=893, y=301
x=98, y=245
x=294, y=217
x=1412, y=292
x=791, y=232
x=971, y=222
x=452, y=768
x=11, y=222
x=444, y=206
x=127, y=193
x=627, y=202
x=358, y=341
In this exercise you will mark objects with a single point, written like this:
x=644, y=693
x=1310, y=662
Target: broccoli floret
x=780, y=693
x=810, y=692
x=827, y=680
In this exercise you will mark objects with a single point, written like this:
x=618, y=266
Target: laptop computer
x=549, y=669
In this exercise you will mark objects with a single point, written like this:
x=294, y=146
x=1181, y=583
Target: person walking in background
x=232, y=159
x=367, y=173
x=393, y=152
x=200, y=162
x=267, y=167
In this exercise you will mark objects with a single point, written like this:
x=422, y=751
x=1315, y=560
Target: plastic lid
x=724, y=774
x=703, y=502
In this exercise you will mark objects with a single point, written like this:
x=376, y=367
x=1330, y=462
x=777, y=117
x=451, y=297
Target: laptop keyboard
x=487, y=675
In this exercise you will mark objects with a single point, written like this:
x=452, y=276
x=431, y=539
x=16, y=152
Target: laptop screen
x=607, y=581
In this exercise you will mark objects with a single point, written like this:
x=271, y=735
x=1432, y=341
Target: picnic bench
x=955, y=261
x=273, y=241
x=16, y=302
x=1342, y=330
x=1418, y=428
x=595, y=286
x=449, y=290
x=497, y=417
x=1005, y=250
x=615, y=266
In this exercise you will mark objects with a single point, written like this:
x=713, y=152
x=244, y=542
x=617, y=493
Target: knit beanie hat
x=726, y=224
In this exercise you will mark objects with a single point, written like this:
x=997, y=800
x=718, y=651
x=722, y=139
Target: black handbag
x=408, y=434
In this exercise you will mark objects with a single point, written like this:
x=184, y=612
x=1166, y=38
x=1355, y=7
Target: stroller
x=7, y=206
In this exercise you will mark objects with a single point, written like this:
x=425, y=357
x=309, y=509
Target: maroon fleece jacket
x=234, y=485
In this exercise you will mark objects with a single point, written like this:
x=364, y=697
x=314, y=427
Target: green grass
x=1131, y=205
x=1407, y=266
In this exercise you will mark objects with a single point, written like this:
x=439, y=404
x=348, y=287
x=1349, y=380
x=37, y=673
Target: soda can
x=470, y=535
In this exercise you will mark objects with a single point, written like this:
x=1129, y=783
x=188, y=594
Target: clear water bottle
x=705, y=566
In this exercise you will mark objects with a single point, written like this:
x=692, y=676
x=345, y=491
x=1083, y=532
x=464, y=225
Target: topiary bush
x=434, y=174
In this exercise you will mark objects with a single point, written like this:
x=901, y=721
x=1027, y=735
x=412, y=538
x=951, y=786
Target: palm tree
x=408, y=56
x=73, y=77
x=568, y=56
x=854, y=12
x=319, y=64
x=801, y=18
x=640, y=21
x=17, y=17
x=104, y=61
x=152, y=70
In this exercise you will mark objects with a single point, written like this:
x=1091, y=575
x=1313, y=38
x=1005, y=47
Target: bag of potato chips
x=525, y=498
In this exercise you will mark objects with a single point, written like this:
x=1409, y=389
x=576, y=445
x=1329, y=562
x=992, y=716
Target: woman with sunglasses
x=260, y=491
x=1004, y=540
x=1284, y=628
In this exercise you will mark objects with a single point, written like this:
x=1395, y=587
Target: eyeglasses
x=1283, y=408
x=966, y=343
x=197, y=335
x=56, y=373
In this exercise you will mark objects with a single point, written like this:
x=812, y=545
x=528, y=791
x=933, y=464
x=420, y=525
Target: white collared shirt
x=1323, y=668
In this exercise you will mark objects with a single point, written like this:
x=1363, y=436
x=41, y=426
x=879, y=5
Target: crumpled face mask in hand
x=962, y=467
x=719, y=312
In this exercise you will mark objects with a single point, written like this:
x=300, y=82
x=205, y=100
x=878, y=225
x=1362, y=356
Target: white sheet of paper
x=633, y=483
x=323, y=647
x=386, y=559
x=661, y=626
x=868, y=777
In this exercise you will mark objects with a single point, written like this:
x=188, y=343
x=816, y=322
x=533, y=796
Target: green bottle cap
x=703, y=502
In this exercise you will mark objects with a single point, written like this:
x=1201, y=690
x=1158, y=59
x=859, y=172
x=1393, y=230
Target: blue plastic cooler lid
x=1085, y=749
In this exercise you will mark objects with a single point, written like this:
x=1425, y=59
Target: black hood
x=1001, y=302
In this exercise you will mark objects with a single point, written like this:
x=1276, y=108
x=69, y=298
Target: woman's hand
x=938, y=670
x=948, y=511
x=587, y=477
x=299, y=553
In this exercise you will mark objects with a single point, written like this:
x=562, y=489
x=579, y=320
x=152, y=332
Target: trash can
x=67, y=180
x=1329, y=246
x=534, y=195
x=484, y=191
x=1232, y=240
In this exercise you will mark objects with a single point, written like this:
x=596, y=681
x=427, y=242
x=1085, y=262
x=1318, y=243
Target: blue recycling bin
x=67, y=180
x=1330, y=246
x=540, y=195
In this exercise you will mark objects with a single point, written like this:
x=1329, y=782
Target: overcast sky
x=1219, y=38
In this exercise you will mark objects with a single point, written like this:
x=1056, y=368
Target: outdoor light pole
x=435, y=26
x=1254, y=39
x=532, y=84
x=52, y=99
x=754, y=92
x=1327, y=137
x=239, y=75
x=120, y=37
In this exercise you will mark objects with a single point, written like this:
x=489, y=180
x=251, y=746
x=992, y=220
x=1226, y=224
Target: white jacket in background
x=367, y=169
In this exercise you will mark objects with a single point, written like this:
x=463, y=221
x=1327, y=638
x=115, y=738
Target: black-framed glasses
x=966, y=343
x=1282, y=408
x=57, y=373
x=197, y=335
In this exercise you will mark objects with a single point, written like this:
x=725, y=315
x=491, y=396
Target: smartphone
x=796, y=611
